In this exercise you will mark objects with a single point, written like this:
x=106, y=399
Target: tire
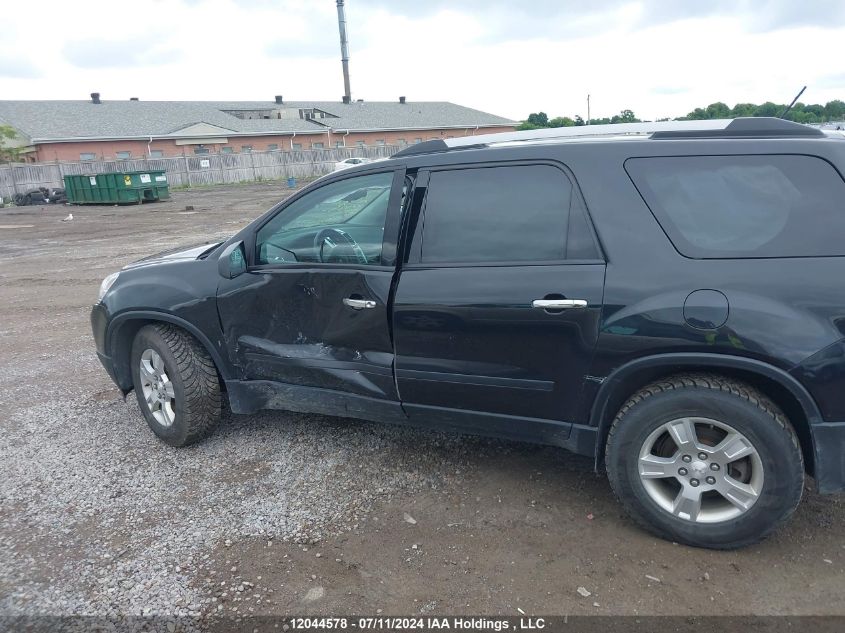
x=186, y=396
x=658, y=485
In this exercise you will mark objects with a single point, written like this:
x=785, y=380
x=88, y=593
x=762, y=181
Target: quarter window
x=525, y=213
x=341, y=222
x=745, y=206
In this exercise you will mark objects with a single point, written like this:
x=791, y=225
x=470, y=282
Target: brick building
x=104, y=130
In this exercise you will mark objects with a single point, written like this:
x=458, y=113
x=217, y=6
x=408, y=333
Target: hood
x=180, y=253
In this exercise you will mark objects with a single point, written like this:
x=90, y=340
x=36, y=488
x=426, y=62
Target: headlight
x=107, y=283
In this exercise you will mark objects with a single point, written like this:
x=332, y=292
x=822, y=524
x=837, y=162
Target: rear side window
x=745, y=206
x=520, y=213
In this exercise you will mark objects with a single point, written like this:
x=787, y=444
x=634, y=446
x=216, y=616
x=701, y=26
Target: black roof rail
x=747, y=127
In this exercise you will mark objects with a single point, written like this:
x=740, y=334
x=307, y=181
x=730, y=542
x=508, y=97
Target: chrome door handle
x=558, y=304
x=358, y=304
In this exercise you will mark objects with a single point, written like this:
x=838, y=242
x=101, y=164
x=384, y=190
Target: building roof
x=44, y=121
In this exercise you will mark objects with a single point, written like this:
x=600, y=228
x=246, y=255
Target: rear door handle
x=558, y=304
x=359, y=304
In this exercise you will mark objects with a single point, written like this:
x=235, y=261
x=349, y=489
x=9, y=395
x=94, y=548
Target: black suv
x=666, y=298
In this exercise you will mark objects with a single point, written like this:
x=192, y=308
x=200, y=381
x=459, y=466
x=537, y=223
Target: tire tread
x=714, y=382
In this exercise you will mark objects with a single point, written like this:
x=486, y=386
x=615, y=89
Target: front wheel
x=176, y=384
x=705, y=461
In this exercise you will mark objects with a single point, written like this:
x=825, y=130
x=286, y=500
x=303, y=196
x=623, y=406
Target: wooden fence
x=194, y=170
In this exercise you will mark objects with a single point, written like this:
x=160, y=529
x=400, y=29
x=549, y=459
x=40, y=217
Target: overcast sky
x=509, y=57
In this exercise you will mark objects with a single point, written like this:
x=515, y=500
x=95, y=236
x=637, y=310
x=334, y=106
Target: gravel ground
x=282, y=513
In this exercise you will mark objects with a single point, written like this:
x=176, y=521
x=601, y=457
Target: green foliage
x=7, y=153
x=800, y=112
x=539, y=119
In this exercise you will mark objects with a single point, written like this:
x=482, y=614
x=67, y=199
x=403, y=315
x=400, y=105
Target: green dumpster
x=132, y=187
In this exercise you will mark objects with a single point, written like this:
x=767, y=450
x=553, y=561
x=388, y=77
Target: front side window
x=745, y=206
x=340, y=223
x=509, y=214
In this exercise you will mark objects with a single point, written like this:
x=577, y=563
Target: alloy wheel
x=700, y=470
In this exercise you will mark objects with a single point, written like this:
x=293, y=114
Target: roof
x=41, y=121
x=742, y=127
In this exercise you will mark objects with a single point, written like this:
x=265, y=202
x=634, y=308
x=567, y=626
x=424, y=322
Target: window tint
x=341, y=222
x=745, y=206
x=504, y=214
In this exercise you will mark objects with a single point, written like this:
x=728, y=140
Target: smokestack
x=279, y=99
x=95, y=97
x=402, y=100
x=344, y=51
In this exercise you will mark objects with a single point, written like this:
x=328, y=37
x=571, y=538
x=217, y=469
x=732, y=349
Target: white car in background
x=350, y=162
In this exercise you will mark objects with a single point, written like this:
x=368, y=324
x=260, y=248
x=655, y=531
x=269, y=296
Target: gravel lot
x=283, y=513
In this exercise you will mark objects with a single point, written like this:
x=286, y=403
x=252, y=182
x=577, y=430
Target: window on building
x=156, y=153
x=273, y=147
x=227, y=149
x=417, y=140
x=296, y=145
x=246, y=148
x=123, y=155
x=504, y=214
x=401, y=141
x=201, y=149
x=87, y=156
x=379, y=141
x=316, y=146
x=359, y=144
x=745, y=206
x=338, y=144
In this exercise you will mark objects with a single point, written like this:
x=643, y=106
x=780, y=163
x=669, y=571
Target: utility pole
x=344, y=51
x=588, y=109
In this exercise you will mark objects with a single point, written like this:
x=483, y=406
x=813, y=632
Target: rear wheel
x=176, y=384
x=705, y=461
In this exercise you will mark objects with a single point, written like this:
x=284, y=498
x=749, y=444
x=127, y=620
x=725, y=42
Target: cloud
x=132, y=52
x=313, y=47
x=18, y=68
x=669, y=90
x=549, y=18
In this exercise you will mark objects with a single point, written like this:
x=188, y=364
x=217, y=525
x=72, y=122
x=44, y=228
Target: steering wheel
x=334, y=239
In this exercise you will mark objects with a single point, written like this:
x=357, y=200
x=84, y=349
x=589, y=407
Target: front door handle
x=558, y=304
x=359, y=304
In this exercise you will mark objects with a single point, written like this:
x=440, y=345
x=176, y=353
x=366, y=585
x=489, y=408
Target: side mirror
x=232, y=261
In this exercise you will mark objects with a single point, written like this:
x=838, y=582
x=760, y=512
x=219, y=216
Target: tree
x=540, y=119
x=525, y=125
x=626, y=116
x=7, y=133
x=835, y=110
x=718, y=110
x=561, y=121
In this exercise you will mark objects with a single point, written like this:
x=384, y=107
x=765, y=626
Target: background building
x=122, y=130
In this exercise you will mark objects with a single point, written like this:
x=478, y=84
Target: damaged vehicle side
x=667, y=302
